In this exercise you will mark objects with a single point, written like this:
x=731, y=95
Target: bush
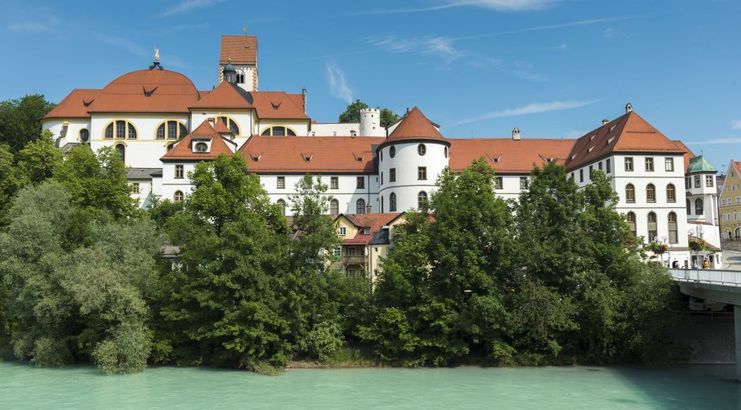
x=126, y=351
x=323, y=341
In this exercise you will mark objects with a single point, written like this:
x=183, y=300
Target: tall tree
x=38, y=159
x=20, y=120
x=10, y=180
x=352, y=114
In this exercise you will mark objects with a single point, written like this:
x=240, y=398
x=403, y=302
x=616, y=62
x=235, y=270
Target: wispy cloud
x=534, y=108
x=437, y=46
x=716, y=141
x=577, y=23
x=31, y=27
x=736, y=125
x=122, y=43
x=496, y=5
x=337, y=84
x=187, y=5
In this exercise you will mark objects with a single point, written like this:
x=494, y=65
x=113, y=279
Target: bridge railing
x=711, y=276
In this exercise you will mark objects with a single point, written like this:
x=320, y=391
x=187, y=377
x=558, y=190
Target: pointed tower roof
x=699, y=165
x=414, y=126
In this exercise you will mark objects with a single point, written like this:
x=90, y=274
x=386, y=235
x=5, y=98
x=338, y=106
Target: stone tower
x=241, y=53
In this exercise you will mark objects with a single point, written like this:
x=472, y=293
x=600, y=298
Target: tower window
x=392, y=152
x=422, y=173
x=240, y=78
x=421, y=149
x=421, y=199
x=392, y=175
x=392, y=202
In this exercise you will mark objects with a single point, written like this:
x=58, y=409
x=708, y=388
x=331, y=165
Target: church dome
x=161, y=91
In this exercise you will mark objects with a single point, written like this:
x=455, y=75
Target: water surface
x=690, y=387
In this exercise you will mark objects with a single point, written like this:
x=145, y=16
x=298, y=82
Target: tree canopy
x=20, y=120
x=352, y=114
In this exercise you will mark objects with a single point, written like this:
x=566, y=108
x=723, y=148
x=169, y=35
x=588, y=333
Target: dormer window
x=201, y=147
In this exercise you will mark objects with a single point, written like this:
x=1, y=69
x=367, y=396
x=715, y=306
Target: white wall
x=170, y=184
x=74, y=126
x=335, y=129
x=407, y=160
x=347, y=193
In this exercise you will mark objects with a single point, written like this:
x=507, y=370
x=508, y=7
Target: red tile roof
x=629, y=134
x=688, y=154
x=74, y=105
x=183, y=149
x=278, y=105
x=508, y=156
x=310, y=154
x=373, y=221
x=238, y=50
x=415, y=126
x=225, y=95
x=145, y=91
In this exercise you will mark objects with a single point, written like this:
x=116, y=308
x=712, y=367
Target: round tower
x=370, y=122
x=409, y=163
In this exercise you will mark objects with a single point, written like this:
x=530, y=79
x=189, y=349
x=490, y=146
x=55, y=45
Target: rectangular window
x=498, y=183
x=135, y=187
x=698, y=181
x=649, y=164
x=709, y=181
x=334, y=183
x=342, y=231
x=179, y=171
x=687, y=183
x=581, y=175
x=607, y=166
x=281, y=183
x=599, y=165
x=360, y=183
x=392, y=175
x=381, y=177
x=591, y=171
x=669, y=164
x=629, y=164
x=338, y=251
x=120, y=129
x=523, y=182
x=422, y=173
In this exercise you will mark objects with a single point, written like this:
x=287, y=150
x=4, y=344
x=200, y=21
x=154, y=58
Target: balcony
x=354, y=260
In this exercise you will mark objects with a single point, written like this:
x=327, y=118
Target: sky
x=553, y=68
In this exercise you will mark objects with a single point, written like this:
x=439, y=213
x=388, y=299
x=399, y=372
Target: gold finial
x=156, y=55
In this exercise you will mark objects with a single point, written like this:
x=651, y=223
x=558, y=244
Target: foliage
x=69, y=294
x=10, y=180
x=323, y=341
x=38, y=159
x=352, y=114
x=20, y=120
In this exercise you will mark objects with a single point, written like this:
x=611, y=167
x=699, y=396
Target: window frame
x=421, y=173
x=179, y=171
x=649, y=164
x=629, y=164
x=280, y=182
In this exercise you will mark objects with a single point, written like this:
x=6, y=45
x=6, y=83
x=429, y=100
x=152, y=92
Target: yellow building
x=730, y=203
x=366, y=239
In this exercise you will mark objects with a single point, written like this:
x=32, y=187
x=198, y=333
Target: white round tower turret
x=410, y=161
x=370, y=123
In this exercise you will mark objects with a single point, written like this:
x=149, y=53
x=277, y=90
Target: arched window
x=178, y=197
x=392, y=152
x=689, y=207
x=121, y=151
x=699, y=206
x=671, y=194
x=421, y=199
x=673, y=236
x=445, y=151
x=84, y=135
x=360, y=206
x=120, y=130
x=171, y=130
x=631, y=217
x=382, y=209
x=278, y=131
x=233, y=127
x=334, y=207
x=421, y=149
x=282, y=204
x=650, y=193
x=392, y=202
x=653, y=231
x=630, y=194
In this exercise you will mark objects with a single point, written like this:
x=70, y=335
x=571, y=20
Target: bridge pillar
x=737, y=330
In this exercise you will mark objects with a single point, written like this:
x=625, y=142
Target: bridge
x=722, y=286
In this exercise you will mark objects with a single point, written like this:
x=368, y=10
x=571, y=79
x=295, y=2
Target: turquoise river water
x=690, y=387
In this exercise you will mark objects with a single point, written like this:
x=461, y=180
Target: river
x=688, y=387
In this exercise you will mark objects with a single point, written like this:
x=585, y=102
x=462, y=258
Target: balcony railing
x=353, y=260
x=707, y=276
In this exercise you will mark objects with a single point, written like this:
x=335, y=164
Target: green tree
x=224, y=297
x=96, y=180
x=38, y=159
x=20, y=120
x=10, y=180
x=352, y=114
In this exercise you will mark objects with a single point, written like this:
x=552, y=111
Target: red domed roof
x=161, y=91
x=414, y=127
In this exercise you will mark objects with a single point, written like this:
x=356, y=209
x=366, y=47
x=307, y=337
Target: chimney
x=605, y=121
x=628, y=108
x=516, y=134
x=368, y=208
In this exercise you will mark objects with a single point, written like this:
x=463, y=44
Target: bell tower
x=239, y=52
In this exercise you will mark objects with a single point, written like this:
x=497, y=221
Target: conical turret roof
x=414, y=126
x=699, y=165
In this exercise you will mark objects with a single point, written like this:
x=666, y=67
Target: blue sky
x=553, y=68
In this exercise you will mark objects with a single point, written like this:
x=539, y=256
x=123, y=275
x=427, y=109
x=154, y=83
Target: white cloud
x=496, y=5
x=736, y=125
x=122, y=43
x=27, y=26
x=534, y=108
x=437, y=46
x=337, y=84
x=188, y=5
